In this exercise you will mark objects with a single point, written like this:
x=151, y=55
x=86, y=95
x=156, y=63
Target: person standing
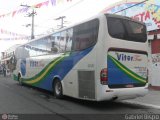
x=4, y=70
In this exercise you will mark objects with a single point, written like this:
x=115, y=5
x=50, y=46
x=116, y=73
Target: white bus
x=103, y=58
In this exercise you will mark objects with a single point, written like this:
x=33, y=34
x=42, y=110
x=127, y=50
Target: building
x=147, y=11
x=7, y=58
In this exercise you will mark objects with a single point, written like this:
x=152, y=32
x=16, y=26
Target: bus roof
x=94, y=17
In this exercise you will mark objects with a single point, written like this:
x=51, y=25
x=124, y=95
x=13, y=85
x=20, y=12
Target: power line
x=62, y=20
x=131, y=6
x=66, y=9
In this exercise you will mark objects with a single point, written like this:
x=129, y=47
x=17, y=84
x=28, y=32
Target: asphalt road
x=24, y=102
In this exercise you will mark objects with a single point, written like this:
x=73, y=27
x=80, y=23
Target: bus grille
x=86, y=84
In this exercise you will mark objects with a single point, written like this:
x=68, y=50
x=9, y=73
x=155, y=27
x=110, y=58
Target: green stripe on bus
x=46, y=71
x=127, y=70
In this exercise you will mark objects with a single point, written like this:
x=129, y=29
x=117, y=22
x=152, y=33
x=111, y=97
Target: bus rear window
x=126, y=30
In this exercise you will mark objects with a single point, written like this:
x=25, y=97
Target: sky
x=75, y=11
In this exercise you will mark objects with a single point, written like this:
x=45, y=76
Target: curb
x=157, y=88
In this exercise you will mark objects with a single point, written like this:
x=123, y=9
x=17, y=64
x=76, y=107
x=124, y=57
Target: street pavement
x=25, y=101
x=152, y=99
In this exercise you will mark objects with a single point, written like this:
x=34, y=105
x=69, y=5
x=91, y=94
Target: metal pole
x=32, y=30
x=31, y=15
x=62, y=20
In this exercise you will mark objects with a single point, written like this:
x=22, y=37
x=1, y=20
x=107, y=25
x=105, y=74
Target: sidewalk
x=154, y=88
x=152, y=99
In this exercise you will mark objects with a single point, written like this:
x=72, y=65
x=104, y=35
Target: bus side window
x=65, y=41
x=62, y=41
x=85, y=35
x=55, y=43
x=69, y=36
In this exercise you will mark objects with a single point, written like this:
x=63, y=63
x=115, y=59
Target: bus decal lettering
x=36, y=63
x=124, y=57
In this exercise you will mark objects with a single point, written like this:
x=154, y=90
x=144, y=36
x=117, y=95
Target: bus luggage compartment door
x=127, y=68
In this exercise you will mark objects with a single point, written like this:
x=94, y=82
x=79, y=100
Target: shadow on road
x=103, y=105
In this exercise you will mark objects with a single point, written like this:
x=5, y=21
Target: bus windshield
x=126, y=29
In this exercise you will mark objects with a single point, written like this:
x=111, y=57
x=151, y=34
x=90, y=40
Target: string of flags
x=2, y=31
x=16, y=36
x=13, y=35
x=39, y=5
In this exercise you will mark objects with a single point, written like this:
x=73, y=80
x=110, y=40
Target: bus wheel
x=57, y=89
x=20, y=79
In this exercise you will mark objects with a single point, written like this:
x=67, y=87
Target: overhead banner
x=148, y=12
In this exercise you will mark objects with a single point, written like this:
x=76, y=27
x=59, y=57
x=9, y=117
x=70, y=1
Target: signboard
x=148, y=12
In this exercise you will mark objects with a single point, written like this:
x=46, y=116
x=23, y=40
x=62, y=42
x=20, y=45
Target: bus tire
x=57, y=89
x=20, y=79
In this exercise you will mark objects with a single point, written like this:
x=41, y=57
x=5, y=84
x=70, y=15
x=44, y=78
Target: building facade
x=7, y=59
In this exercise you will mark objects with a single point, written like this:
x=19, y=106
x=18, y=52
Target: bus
x=102, y=58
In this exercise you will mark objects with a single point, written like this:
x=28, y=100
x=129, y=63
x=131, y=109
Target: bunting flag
x=10, y=33
x=39, y=5
x=61, y=1
x=53, y=2
x=2, y=31
x=25, y=9
x=16, y=38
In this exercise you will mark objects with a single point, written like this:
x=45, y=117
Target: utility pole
x=62, y=20
x=32, y=14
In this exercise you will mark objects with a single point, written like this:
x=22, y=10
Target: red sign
x=155, y=46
